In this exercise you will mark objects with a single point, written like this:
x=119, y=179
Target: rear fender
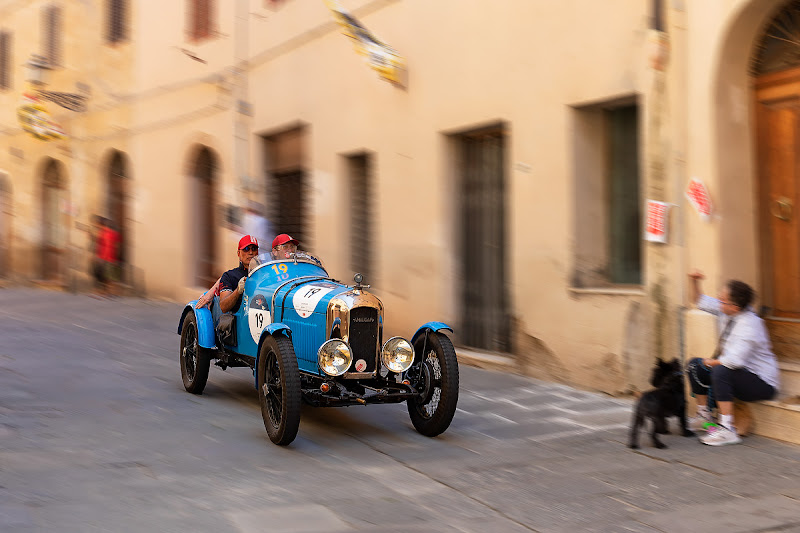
x=431, y=326
x=276, y=328
x=205, y=324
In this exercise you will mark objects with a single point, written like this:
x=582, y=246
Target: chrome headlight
x=334, y=357
x=397, y=354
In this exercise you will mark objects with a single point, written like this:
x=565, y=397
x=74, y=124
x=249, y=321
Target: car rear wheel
x=435, y=374
x=279, y=389
x=195, y=361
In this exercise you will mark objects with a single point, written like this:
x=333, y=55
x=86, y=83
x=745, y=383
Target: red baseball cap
x=283, y=239
x=246, y=241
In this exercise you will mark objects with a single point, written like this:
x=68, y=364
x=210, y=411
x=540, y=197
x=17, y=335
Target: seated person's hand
x=696, y=274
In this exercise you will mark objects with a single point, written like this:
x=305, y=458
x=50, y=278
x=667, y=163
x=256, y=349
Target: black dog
x=667, y=399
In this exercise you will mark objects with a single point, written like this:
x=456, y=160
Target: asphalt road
x=97, y=434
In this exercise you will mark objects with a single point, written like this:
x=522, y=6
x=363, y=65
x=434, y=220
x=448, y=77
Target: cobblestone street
x=98, y=434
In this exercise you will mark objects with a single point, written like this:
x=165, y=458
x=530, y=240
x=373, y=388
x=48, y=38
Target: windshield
x=298, y=256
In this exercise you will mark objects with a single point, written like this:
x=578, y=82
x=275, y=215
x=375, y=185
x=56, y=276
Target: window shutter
x=117, y=21
x=5, y=60
x=52, y=25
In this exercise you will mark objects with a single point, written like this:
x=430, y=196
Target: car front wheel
x=195, y=361
x=435, y=375
x=279, y=389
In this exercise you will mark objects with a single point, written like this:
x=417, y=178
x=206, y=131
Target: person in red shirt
x=106, y=255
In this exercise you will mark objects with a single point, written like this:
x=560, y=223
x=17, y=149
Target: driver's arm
x=228, y=298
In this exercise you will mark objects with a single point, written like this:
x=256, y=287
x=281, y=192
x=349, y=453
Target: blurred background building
x=492, y=170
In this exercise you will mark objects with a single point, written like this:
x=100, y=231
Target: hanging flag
x=697, y=195
x=656, y=225
x=382, y=58
x=34, y=118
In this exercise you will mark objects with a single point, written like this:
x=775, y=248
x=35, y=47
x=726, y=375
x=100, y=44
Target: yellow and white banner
x=382, y=58
x=34, y=118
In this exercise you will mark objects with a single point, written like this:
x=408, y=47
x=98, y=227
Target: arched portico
x=202, y=215
x=55, y=221
x=6, y=203
x=117, y=199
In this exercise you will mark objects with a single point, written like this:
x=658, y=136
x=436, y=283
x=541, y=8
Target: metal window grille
x=200, y=19
x=485, y=316
x=5, y=60
x=52, y=36
x=361, y=224
x=289, y=205
x=117, y=21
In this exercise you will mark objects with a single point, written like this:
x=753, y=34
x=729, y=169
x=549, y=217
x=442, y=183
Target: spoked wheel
x=435, y=375
x=195, y=362
x=279, y=389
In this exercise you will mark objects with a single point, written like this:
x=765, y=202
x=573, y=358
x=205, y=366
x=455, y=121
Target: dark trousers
x=727, y=383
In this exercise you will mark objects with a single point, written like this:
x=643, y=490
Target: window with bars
x=201, y=19
x=287, y=185
x=117, y=30
x=52, y=35
x=5, y=60
x=359, y=168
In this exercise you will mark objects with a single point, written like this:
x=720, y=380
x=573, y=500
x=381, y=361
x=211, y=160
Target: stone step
x=777, y=420
x=785, y=336
x=790, y=379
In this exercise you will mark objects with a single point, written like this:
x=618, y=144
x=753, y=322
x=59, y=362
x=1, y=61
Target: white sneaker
x=721, y=436
x=698, y=423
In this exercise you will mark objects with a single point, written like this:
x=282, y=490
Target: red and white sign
x=698, y=196
x=656, y=225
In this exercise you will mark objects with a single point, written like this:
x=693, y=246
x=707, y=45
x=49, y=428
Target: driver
x=231, y=284
x=283, y=246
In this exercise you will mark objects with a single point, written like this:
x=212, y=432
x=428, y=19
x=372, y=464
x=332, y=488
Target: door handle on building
x=782, y=208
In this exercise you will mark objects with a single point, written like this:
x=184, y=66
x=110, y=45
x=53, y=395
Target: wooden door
x=778, y=127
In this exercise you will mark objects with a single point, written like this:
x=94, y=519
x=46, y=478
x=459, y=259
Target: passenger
x=283, y=246
x=230, y=286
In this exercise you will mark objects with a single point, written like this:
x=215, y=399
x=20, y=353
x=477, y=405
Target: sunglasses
x=251, y=248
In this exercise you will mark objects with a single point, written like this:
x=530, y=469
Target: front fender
x=430, y=326
x=269, y=331
x=205, y=324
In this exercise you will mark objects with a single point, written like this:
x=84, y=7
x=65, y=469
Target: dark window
x=361, y=224
x=200, y=19
x=5, y=60
x=625, y=253
x=117, y=21
x=52, y=35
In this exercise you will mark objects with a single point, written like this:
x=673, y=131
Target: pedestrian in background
x=255, y=223
x=106, y=257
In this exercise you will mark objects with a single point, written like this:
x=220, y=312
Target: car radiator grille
x=363, y=336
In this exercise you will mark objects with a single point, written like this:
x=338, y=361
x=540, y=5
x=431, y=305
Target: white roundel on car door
x=307, y=297
x=257, y=319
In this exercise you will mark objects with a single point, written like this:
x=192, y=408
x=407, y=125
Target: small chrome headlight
x=397, y=354
x=334, y=357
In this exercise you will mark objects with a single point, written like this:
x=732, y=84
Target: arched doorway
x=5, y=225
x=776, y=73
x=118, y=194
x=55, y=221
x=202, y=217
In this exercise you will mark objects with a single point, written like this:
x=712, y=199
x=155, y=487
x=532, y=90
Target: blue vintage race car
x=309, y=337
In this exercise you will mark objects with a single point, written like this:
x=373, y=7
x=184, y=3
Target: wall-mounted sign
x=34, y=118
x=656, y=223
x=698, y=196
x=382, y=58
